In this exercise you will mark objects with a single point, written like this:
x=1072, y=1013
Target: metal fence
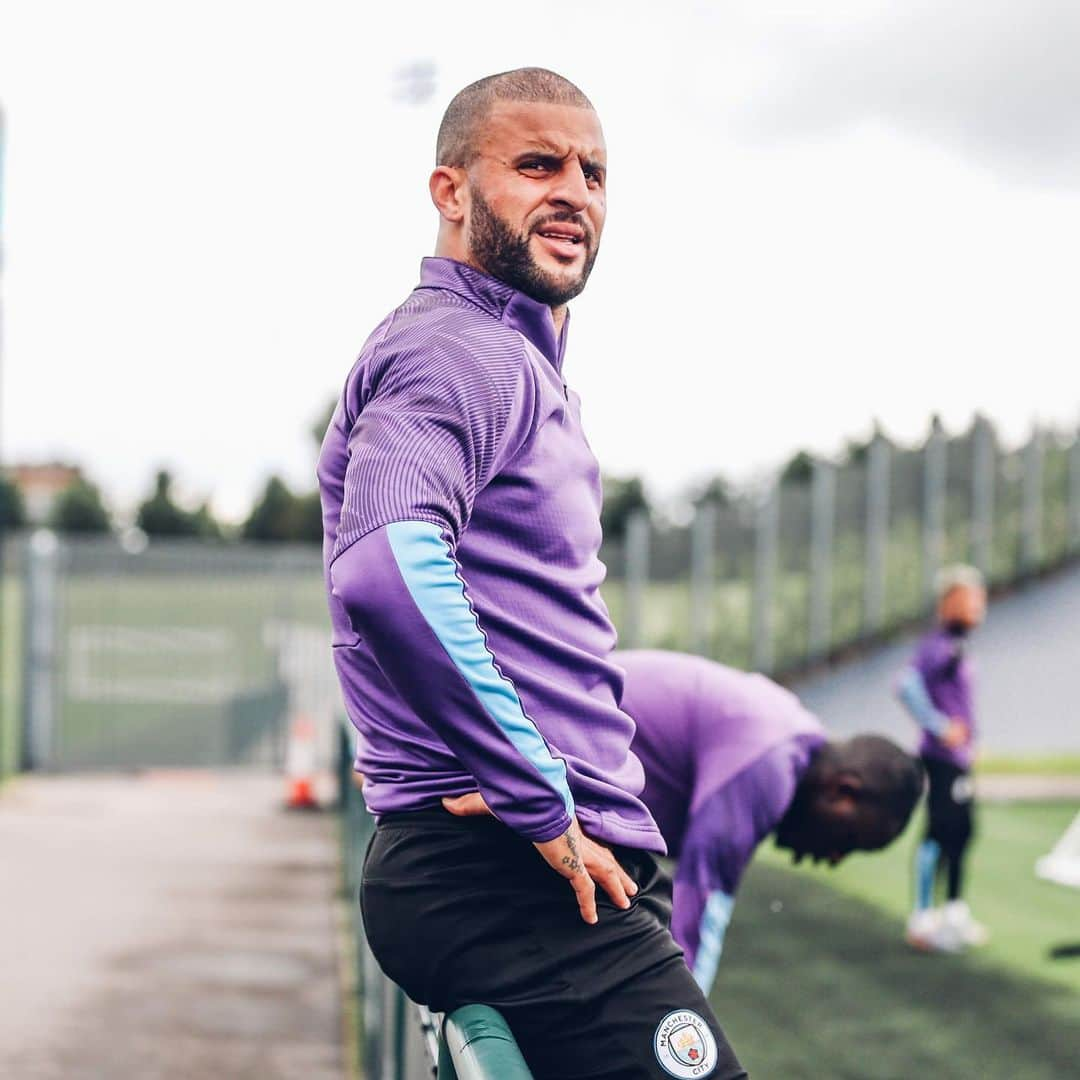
x=180, y=654
x=194, y=653
x=809, y=565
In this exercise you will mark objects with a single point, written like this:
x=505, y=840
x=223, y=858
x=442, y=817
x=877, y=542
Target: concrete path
x=166, y=926
x=1027, y=665
x=1024, y=787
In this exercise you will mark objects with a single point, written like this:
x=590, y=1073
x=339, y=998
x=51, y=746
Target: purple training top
x=461, y=511
x=723, y=753
x=946, y=669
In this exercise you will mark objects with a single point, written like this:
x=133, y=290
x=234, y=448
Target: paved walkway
x=1027, y=787
x=166, y=926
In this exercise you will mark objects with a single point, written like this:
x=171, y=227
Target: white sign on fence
x=139, y=664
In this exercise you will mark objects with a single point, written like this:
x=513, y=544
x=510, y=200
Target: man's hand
x=583, y=862
x=471, y=805
x=956, y=734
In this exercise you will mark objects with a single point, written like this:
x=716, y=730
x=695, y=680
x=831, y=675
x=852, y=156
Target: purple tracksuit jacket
x=461, y=511
x=936, y=687
x=723, y=753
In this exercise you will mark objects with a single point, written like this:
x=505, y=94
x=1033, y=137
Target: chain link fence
x=195, y=654
x=175, y=655
x=843, y=553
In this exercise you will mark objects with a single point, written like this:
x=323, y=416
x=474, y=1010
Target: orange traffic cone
x=300, y=766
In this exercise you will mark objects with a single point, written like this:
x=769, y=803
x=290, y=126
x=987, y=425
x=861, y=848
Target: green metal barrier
x=477, y=1045
x=399, y=1040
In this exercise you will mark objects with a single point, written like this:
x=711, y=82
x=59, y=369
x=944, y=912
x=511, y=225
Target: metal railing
x=477, y=1045
x=399, y=1040
x=832, y=554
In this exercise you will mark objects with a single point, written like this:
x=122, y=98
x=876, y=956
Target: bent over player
x=461, y=509
x=730, y=757
x=936, y=689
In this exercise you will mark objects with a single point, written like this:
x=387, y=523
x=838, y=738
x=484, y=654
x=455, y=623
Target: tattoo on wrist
x=572, y=862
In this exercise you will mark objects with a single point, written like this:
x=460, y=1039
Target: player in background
x=936, y=688
x=730, y=757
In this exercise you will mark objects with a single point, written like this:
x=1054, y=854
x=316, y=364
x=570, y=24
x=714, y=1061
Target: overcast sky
x=818, y=214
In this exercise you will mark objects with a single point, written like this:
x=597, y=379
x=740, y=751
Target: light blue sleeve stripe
x=714, y=924
x=926, y=861
x=430, y=574
x=912, y=691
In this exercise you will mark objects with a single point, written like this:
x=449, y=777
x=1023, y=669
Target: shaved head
x=856, y=795
x=456, y=145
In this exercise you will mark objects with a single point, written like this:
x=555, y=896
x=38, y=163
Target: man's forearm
x=912, y=692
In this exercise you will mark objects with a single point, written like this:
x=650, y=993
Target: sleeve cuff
x=541, y=834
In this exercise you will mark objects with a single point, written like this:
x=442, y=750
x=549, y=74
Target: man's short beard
x=496, y=249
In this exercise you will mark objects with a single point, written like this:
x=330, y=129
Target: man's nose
x=570, y=189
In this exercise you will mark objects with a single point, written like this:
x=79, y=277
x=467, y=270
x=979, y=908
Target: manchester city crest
x=684, y=1045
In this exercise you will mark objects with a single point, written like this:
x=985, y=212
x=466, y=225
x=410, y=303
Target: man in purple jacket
x=461, y=516
x=730, y=757
x=936, y=689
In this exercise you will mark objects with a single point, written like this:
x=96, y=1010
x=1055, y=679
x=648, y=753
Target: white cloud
x=210, y=205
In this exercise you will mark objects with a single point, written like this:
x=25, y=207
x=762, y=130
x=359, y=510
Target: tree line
x=280, y=514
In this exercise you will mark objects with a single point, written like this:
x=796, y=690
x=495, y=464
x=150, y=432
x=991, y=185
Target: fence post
x=637, y=578
x=702, y=577
x=39, y=681
x=766, y=532
x=1074, y=494
x=822, y=523
x=933, y=535
x=1031, y=527
x=877, y=532
x=982, y=495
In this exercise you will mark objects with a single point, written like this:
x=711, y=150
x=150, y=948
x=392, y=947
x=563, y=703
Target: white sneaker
x=956, y=916
x=928, y=931
x=922, y=929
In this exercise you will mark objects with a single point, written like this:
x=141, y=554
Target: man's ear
x=842, y=790
x=449, y=192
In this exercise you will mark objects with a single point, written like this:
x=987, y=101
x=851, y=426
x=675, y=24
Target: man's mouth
x=562, y=235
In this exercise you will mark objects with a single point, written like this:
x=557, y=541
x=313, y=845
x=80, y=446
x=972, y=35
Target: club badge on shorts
x=684, y=1045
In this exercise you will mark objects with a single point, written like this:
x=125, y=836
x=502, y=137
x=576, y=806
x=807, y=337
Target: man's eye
x=534, y=166
x=594, y=178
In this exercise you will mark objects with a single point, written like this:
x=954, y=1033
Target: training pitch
x=817, y=981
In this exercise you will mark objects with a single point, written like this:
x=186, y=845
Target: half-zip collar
x=529, y=317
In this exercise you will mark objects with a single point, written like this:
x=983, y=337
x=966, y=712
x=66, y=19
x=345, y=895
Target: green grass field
x=816, y=979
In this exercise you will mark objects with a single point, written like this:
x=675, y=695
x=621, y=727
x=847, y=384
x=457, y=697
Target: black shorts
x=950, y=803
x=461, y=911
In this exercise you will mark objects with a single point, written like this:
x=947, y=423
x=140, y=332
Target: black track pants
x=461, y=911
x=950, y=807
